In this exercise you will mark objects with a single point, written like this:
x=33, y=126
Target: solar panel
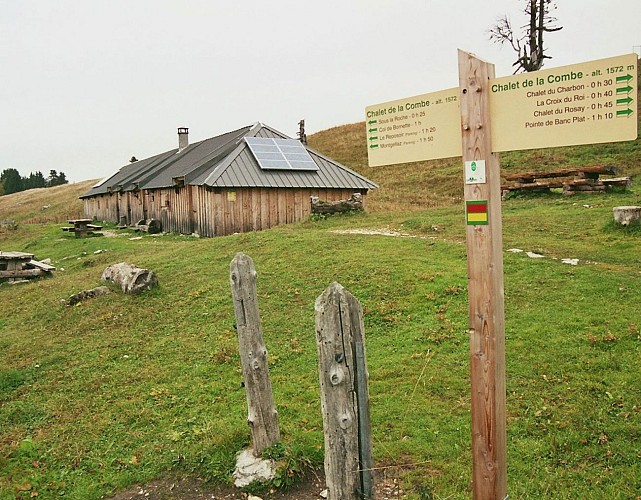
x=280, y=154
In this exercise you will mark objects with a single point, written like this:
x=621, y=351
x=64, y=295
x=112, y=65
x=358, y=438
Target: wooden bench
x=20, y=265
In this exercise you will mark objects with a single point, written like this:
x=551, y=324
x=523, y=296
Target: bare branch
x=529, y=44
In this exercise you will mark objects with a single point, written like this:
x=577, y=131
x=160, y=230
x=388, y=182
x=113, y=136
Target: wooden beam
x=485, y=286
x=566, y=172
x=22, y=273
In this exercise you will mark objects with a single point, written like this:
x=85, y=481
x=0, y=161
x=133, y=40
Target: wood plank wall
x=212, y=212
x=244, y=210
x=136, y=202
x=102, y=207
x=171, y=206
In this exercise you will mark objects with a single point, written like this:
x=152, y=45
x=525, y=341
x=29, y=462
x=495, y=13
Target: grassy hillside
x=44, y=205
x=121, y=390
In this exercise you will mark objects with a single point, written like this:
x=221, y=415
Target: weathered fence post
x=262, y=415
x=344, y=395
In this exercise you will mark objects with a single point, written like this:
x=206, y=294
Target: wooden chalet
x=231, y=183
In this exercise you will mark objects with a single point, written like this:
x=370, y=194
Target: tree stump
x=131, y=279
x=626, y=215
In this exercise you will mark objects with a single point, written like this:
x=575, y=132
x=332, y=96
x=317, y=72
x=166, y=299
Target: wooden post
x=262, y=415
x=485, y=284
x=344, y=401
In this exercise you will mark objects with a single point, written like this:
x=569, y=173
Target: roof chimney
x=183, y=138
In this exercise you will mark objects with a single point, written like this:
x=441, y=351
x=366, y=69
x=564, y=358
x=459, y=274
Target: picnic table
x=572, y=180
x=81, y=227
x=19, y=265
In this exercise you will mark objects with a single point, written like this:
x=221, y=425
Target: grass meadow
x=120, y=390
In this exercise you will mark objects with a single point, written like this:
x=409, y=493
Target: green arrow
x=627, y=89
x=625, y=78
x=374, y=138
x=372, y=146
x=372, y=122
x=373, y=130
x=627, y=100
x=627, y=112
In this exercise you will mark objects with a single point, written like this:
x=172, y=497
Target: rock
x=86, y=294
x=250, y=468
x=626, y=215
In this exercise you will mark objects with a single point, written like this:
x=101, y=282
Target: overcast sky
x=86, y=84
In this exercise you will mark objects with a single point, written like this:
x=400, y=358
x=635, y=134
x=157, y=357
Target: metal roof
x=226, y=161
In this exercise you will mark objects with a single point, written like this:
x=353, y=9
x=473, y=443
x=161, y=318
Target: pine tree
x=11, y=181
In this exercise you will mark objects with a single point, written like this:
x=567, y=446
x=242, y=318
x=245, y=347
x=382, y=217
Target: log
x=582, y=172
x=262, y=416
x=151, y=226
x=583, y=182
x=131, y=279
x=355, y=203
x=539, y=185
x=21, y=273
x=618, y=181
x=626, y=215
x=585, y=187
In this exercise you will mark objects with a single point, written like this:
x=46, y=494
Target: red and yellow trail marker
x=476, y=212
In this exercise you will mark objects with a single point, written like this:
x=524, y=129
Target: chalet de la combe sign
x=586, y=103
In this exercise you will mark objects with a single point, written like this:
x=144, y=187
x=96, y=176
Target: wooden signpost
x=485, y=282
x=588, y=103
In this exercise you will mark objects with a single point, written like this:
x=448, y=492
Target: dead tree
x=302, y=136
x=528, y=42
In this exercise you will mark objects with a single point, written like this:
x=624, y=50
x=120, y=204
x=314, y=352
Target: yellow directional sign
x=587, y=103
x=423, y=127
